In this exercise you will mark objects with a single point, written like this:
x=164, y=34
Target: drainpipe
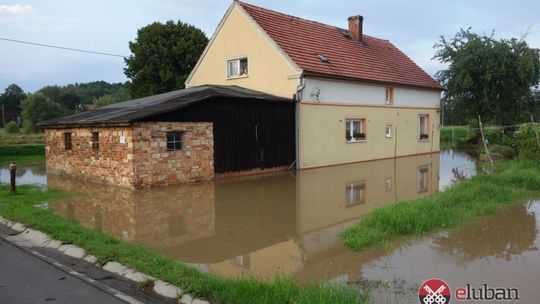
x=298, y=99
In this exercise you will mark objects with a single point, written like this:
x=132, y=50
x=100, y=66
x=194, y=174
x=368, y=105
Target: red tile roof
x=375, y=60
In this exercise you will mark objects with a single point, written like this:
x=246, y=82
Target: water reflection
x=34, y=175
x=456, y=165
x=259, y=226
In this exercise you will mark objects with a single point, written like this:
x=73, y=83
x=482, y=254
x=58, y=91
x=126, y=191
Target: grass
x=479, y=196
x=20, y=138
x=21, y=208
x=460, y=134
x=18, y=150
x=22, y=160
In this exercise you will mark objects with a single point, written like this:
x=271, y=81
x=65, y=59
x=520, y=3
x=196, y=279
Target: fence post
x=12, y=175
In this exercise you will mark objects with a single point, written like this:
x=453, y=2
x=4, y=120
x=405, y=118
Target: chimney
x=355, y=27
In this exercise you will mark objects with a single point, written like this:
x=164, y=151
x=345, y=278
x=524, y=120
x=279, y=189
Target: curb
x=25, y=238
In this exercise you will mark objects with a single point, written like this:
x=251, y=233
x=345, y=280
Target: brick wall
x=135, y=156
x=112, y=163
x=155, y=166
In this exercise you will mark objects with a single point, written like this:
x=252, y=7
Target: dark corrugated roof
x=137, y=109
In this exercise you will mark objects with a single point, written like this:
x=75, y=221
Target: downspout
x=298, y=100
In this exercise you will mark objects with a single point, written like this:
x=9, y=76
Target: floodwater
x=34, y=175
x=289, y=223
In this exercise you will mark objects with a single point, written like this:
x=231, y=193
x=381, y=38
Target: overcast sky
x=108, y=26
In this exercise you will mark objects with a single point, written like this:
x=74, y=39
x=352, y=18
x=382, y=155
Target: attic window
x=323, y=58
x=237, y=67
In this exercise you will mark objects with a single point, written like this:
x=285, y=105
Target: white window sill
x=423, y=140
x=355, y=141
x=237, y=77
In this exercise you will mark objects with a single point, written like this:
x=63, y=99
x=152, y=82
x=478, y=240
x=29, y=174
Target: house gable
x=270, y=70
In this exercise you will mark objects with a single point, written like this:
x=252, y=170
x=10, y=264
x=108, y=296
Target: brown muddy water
x=290, y=224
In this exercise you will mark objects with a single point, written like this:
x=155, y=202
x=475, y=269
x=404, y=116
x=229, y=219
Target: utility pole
x=3, y=117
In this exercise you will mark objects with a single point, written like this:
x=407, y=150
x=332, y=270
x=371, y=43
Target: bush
x=12, y=127
x=28, y=127
x=22, y=150
x=502, y=151
x=527, y=144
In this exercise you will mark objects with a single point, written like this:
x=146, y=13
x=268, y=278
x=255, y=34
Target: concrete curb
x=28, y=238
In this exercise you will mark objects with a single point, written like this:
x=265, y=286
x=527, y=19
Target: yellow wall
x=268, y=71
x=322, y=136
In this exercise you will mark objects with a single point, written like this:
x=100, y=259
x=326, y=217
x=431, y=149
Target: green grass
x=22, y=160
x=20, y=208
x=20, y=138
x=18, y=150
x=461, y=134
x=482, y=195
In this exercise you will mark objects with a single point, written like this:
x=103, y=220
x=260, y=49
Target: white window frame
x=388, y=130
x=389, y=96
x=349, y=129
x=355, y=194
x=237, y=62
x=426, y=127
x=423, y=179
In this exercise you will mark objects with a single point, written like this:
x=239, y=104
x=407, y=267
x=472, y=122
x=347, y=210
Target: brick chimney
x=355, y=27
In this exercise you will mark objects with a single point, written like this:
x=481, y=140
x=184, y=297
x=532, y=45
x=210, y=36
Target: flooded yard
x=290, y=223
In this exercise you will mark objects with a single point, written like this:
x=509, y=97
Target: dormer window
x=237, y=67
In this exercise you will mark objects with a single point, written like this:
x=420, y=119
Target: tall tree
x=11, y=100
x=163, y=56
x=488, y=77
x=38, y=107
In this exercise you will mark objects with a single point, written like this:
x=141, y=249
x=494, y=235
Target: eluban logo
x=486, y=293
x=434, y=291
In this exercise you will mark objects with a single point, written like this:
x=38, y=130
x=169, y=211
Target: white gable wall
x=341, y=92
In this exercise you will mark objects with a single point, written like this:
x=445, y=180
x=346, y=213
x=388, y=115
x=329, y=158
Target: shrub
x=28, y=127
x=527, y=144
x=12, y=127
x=503, y=151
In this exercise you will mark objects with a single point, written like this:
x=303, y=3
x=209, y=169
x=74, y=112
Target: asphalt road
x=25, y=278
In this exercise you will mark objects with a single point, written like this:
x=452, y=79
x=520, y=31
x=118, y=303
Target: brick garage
x=177, y=137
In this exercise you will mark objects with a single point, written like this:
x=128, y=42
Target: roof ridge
x=303, y=19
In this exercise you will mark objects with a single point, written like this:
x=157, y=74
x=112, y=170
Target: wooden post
x=12, y=175
x=484, y=140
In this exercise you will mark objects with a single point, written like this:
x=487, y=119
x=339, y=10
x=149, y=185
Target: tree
x=38, y=107
x=120, y=95
x=486, y=77
x=11, y=100
x=162, y=57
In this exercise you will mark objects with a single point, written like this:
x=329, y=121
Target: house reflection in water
x=260, y=225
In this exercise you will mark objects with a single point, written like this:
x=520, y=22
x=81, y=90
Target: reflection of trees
x=510, y=232
x=458, y=175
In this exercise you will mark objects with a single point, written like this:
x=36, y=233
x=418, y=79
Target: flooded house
x=271, y=91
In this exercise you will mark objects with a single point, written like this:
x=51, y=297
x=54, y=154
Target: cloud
x=17, y=9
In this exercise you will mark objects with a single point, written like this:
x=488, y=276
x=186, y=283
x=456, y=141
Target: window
x=95, y=140
x=237, y=67
x=243, y=261
x=388, y=184
x=355, y=194
x=423, y=180
x=389, y=96
x=423, y=127
x=67, y=141
x=388, y=131
x=355, y=130
x=174, y=141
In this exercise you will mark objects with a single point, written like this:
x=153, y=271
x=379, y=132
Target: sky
x=414, y=26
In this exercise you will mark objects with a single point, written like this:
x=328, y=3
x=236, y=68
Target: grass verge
x=23, y=160
x=18, y=150
x=20, y=208
x=481, y=195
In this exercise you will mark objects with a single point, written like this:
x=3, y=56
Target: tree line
x=54, y=101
